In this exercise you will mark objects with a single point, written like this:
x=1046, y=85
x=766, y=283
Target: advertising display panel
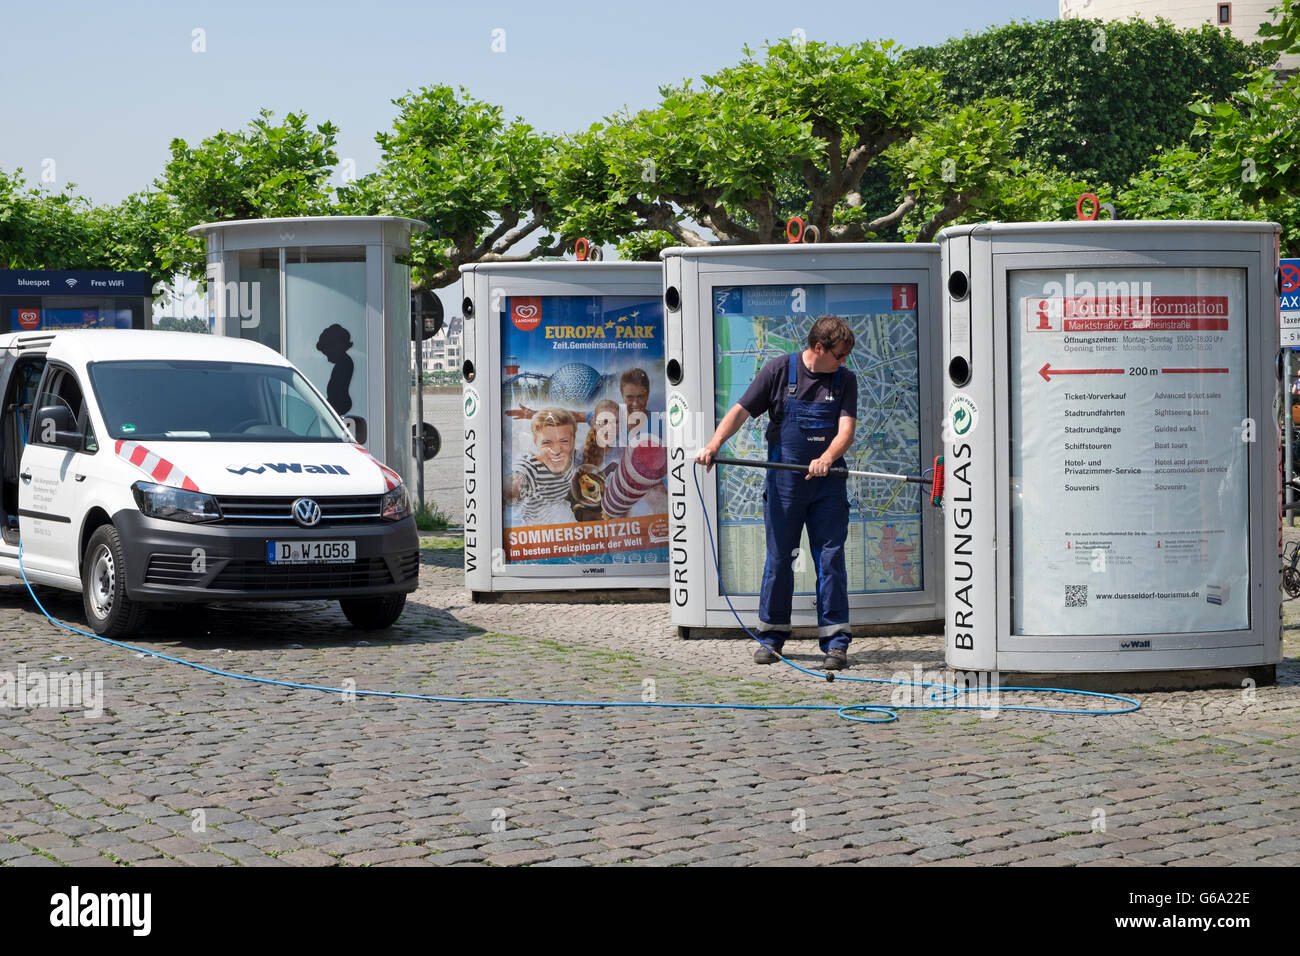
x=731, y=310
x=755, y=323
x=564, y=397
x=70, y=318
x=581, y=410
x=33, y=300
x=1128, y=396
x=328, y=338
x=1112, y=446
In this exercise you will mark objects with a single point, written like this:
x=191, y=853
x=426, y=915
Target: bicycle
x=1290, y=575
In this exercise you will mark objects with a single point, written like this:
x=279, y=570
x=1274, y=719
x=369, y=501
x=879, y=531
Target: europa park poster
x=582, y=409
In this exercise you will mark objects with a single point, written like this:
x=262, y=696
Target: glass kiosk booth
x=328, y=294
x=1112, y=497
x=564, y=398
x=729, y=310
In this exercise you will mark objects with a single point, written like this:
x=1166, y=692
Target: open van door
x=60, y=443
x=22, y=364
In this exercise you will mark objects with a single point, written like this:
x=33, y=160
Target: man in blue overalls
x=812, y=406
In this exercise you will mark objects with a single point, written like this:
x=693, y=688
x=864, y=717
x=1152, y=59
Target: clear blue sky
x=101, y=88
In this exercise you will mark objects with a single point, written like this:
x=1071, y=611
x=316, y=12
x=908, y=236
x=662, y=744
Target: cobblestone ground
x=186, y=767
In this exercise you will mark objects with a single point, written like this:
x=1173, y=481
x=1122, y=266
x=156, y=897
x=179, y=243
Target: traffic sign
x=1288, y=287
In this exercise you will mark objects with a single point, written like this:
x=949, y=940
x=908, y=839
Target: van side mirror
x=55, y=425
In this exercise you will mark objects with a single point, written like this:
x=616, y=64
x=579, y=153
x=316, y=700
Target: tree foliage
x=645, y=246
x=863, y=141
x=1240, y=161
x=40, y=229
x=479, y=180
x=793, y=132
x=1252, y=143
x=191, y=324
x=265, y=171
x=1100, y=98
x=135, y=235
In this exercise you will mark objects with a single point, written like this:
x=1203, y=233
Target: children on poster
x=574, y=406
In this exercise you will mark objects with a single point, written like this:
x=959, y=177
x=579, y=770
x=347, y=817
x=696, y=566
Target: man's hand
x=729, y=425
x=705, y=456
x=523, y=411
x=818, y=467
x=843, y=439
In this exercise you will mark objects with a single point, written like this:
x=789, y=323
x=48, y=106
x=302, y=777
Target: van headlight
x=395, y=506
x=174, y=504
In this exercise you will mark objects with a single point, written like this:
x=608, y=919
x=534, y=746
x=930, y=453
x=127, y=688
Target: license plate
x=311, y=552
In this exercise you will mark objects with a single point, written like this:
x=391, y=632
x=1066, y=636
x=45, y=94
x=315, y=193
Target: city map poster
x=585, y=470
x=752, y=324
x=1129, y=456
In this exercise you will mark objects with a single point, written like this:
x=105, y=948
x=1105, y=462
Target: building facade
x=444, y=352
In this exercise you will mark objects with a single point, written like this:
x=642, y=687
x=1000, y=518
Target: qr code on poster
x=1076, y=595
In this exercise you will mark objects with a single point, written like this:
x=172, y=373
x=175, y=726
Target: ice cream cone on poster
x=643, y=467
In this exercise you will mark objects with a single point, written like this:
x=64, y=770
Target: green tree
x=134, y=234
x=265, y=171
x=40, y=229
x=479, y=180
x=1184, y=184
x=171, y=324
x=1100, y=98
x=794, y=132
x=1251, y=136
x=1240, y=159
x=44, y=230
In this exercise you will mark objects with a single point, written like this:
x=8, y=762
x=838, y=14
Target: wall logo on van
x=283, y=468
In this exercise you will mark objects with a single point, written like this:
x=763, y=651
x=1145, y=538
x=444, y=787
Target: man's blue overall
x=793, y=500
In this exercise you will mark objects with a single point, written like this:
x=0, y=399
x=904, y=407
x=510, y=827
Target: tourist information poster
x=1128, y=451
x=582, y=407
x=755, y=323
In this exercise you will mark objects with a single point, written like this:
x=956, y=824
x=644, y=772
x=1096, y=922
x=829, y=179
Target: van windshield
x=211, y=401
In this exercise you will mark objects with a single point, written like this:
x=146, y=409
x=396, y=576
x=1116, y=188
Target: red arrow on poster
x=1181, y=371
x=1047, y=370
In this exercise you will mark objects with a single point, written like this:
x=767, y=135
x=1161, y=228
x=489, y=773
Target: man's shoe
x=836, y=660
x=765, y=655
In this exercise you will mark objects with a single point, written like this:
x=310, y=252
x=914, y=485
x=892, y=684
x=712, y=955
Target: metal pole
x=1289, y=493
x=837, y=472
x=419, y=418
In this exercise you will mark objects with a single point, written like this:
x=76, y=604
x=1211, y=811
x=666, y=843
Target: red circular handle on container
x=1096, y=207
x=582, y=249
x=791, y=235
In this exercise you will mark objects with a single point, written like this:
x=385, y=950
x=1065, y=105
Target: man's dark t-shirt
x=768, y=392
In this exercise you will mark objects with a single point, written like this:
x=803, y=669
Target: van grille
x=260, y=576
x=270, y=512
x=408, y=566
x=177, y=570
x=172, y=570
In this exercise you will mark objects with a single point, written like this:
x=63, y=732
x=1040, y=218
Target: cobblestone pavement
x=186, y=767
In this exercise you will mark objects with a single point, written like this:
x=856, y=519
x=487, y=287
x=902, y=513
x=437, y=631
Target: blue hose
x=881, y=714
x=940, y=693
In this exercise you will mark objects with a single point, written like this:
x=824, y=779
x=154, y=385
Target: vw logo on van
x=306, y=512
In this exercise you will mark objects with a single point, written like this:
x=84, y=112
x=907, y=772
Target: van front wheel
x=103, y=586
x=371, y=614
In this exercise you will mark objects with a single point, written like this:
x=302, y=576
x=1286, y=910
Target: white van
x=168, y=467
